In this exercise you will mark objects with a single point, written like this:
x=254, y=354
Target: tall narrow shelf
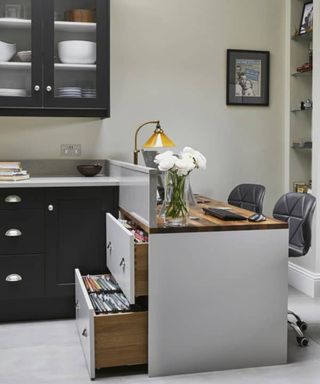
x=300, y=89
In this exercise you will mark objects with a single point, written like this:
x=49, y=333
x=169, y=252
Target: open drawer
x=126, y=260
x=109, y=340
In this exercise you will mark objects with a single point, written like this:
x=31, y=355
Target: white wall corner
x=304, y=280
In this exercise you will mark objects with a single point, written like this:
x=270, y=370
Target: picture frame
x=306, y=22
x=300, y=187
x=248, y=74
x=13, y=11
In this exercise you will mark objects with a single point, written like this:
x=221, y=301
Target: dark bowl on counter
x=89, y=170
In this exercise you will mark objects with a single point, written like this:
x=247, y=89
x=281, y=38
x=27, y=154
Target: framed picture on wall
x=248, y=77
x=306, y=23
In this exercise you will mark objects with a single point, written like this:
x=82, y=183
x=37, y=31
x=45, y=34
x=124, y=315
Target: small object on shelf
x=24, y=56
x=307, y=104
x=11, y=92
x=306, y=23
x=306, y=67
x=77, y=52
x=302, y=105
x=310, y=56
x=302, y=145
x=300, y=187
x=89, y=170
x=7, y=51
x=12, y=171
x=13, y=11
x=80, y=15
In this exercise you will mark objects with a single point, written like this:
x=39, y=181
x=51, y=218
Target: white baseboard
x=304, y=280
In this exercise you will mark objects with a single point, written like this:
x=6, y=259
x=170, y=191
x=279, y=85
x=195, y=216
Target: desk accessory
x=257, y=217
x=158, y=139
x=175, y=208
x=222, y=214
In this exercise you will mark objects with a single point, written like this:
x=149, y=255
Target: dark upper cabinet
x=67, y=71
x=75, y=234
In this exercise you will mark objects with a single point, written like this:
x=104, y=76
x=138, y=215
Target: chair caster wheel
x=302, y=325
x=302, y=341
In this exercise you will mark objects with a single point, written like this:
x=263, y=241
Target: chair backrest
x=248, y=196
x=297, y=209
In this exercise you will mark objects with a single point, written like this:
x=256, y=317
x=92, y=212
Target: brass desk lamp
x=158, y=140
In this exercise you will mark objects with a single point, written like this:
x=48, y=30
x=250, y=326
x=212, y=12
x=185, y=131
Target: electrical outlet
x=70, y=150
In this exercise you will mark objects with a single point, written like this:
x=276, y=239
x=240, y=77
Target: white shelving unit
x=303, y=164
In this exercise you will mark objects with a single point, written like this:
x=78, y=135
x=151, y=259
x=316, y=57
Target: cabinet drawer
x=127, y=261
x=21, y=231
x=109, y=340
x=21, y=276
x=17, y=198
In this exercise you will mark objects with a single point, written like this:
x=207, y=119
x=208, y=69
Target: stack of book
x=12, y=171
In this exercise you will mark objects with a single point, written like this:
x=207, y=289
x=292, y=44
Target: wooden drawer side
x=121, y=339
x=141, y=270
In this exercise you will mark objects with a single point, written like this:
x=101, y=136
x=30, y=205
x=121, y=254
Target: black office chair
x=297, y=209
x=248, y=196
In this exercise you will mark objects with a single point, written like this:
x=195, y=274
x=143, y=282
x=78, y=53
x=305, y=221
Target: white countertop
x=72, y=181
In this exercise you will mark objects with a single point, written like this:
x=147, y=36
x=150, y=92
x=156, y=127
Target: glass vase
x=175, y=209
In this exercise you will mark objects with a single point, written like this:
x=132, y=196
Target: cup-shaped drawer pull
x=13, y=278
x=85, y=333
x=12, y=199
x=13, y=232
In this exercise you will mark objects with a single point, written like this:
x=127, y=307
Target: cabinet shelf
x=306, y=36
x=302, y=74
x=72, y=26
x=75, y=67
x=14, y=23
x=66, y=26
x=301, y=110
x=14, y=65
x=301, y=147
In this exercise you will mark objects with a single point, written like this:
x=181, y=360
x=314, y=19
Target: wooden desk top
x=206, y=223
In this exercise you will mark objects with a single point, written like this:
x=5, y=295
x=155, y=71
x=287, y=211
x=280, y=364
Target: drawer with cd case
x=112, y=331
x=112, y=309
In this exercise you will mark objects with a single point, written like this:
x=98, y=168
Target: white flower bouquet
x=177, y=168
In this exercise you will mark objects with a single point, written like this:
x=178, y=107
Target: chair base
x=299, y=327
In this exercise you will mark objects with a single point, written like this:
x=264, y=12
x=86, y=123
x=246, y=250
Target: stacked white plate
x=13, y=92
x=92, y=93
x=69, y=92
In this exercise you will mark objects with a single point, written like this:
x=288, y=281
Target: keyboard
x=223, y=214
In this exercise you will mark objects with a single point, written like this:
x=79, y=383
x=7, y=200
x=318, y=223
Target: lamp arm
x=136, y=150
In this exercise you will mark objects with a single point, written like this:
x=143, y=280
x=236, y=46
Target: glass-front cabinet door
x=76, y=54
x=20, y=53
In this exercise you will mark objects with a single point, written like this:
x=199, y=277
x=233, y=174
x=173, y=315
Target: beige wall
x=168, y=62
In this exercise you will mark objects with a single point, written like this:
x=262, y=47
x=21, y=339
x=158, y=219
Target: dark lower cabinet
x=64, y=231
x=76, y=231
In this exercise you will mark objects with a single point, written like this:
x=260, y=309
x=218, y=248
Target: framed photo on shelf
x=306, y=23
x=248, y=77
x=300, y=187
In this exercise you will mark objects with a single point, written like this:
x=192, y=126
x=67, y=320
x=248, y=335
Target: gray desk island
x=217, y=292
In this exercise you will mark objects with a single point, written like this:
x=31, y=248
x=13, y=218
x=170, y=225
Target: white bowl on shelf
x=24, y=56
x=7, y=51
x=13, y=92
x=77, y=52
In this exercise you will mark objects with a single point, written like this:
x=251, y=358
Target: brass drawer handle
x=13, y=278
x=13, y=232
x=13, y=199
x=85, y=333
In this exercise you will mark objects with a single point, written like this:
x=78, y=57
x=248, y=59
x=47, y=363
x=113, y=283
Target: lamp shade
x=158, y=140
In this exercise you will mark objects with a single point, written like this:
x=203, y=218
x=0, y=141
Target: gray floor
x=49, y=352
